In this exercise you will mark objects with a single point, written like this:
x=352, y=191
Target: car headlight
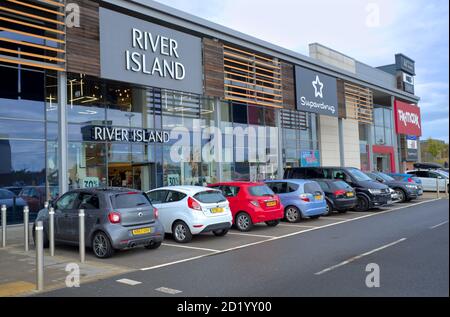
x=375, y=191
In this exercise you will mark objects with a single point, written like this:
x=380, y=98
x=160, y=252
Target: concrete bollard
x=51, y=231
x=3, y=226
x=81, y=217
x=39, y=256
x=438, y=190
x=26, y=227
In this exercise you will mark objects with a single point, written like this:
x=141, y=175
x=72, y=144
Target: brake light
x=340, y=192
x=305, y=198
x=155, y=213
x=193, y=204
x=132, y=193
x=114, y=217
x=254, y=203
x=410, y=180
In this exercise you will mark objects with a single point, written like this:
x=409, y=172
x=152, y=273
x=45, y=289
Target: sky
x=371, y=31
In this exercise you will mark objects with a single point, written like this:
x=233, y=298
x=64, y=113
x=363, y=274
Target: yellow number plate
x=271, y=203
x=319, y=197
x=142, y=231
x=217, y=210
x=350, y=195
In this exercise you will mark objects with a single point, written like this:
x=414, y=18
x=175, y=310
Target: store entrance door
x=135, y=176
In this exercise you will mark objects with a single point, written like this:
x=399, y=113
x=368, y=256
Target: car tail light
x=114, y=217
x=193, y=204
x=340, y=192
x=155, y=213
x=410, y=180
x=305, y=198
x=254, y=203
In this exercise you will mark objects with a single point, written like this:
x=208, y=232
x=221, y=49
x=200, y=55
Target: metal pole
x=51, y=231
x=26, y=226
x=438, y=190
x=3, y=226
x=39, y=256
x=46, y=204
x=81, y=232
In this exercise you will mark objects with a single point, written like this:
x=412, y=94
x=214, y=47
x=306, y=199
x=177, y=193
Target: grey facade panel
x=375, y=75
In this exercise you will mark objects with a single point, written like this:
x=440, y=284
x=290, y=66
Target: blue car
x=300, y=198
x=405, y=178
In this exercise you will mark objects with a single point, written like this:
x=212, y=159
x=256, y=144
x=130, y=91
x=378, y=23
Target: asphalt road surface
x=409, y=246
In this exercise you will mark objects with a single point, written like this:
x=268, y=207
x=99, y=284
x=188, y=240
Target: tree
x=435, y=147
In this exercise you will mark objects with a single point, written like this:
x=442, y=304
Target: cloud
x=419, y=29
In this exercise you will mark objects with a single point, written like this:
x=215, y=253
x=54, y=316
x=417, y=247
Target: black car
x=339, y=195
x=405, y=191
x=370, y=193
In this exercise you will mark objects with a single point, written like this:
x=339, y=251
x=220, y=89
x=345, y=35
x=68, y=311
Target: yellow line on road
x=16, y=288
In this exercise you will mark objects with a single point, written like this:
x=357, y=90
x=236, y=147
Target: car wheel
x=181, y=232
x=153, y=245
x=101, y=246
x=292, y=214
x=243, y=222
x=46, y=240
x=220, y=233
x=401, y=195
x=273, y=223
x=362, y=205
x=329, y=209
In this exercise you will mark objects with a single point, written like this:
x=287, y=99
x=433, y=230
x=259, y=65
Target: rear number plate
x=318, y=197
x=271, y=203
x=138, y=232
x=217, y=210
x=350, y=195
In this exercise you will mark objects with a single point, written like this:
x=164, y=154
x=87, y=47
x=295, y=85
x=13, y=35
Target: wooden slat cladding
x=288, y=82
x=83, y=43
x=32, y=34
x=213, y=67
x=252, y=78
x=342, y=109
x=359, y=102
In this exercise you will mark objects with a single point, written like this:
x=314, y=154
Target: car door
x=172, y=207
x=231, y=193
x=158, y=200
x=90, y=203
x=64, y=216
x=442, y=181
x=428, y=183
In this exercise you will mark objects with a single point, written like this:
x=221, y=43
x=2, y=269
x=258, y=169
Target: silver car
x=115, y=219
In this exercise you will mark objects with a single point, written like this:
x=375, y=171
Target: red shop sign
x=407, y=119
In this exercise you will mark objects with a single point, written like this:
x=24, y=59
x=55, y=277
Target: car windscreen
x=130, y=200
x=260, y=191
x=386, y=177
x=358, y=175
x=210, y=197
x=341, y=185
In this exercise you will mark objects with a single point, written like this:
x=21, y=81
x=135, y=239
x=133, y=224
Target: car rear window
x=312, y=188
x=260, y=191
x=210, y=197
x=341, y=185
x=130, y=200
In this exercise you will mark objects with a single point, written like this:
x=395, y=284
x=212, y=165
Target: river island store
x=140, y=95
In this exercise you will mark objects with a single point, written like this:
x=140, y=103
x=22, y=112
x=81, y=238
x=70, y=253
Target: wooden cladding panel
x=342, y=109
x=288, y=84
x=213, y=61
x=32, y=34
x=359, y=102
x=83, y=43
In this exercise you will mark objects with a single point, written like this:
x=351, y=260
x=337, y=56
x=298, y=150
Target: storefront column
x=280, y=144
x=341, y=142
x=395, y=138
x=370, y=137
x=217, y=120
x=62, y=133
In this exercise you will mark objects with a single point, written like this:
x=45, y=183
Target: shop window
x=239, y=113
x=22, y=129
x=270, y=117
x=241, y=172
x=9, y=83
x=255, y=115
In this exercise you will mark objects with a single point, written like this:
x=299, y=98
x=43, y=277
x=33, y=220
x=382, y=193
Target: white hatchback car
x=188, y=210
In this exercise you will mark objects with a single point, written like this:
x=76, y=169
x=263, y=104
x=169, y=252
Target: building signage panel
x=412, y=148
x=111, y=134
x=310, y=159
x=407, y=119
x=316, y=92
x=405, y=64
x=144, y=53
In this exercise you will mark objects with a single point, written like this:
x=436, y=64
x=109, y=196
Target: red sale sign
x=407, y=119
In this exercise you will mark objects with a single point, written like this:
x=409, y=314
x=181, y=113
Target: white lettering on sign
x=129, y=135
x=317, y=105
x=409, y=118
x=153, y=65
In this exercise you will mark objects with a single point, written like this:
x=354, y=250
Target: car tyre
x=243, y=222
x=362, y=205
x=329, y=209
x=153, y=245
x=401, y=194
x=292, y=214
x=273, y=223
x=181, y=232
x=220, y=233
x=101, y=245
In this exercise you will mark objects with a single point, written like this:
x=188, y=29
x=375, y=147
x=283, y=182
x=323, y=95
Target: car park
x=251, y=203
x=431, y=178
x=185, y=211
x=300, y=198
x=339, y=195
x=406, y=191
x=370, y=193
x=115, y=219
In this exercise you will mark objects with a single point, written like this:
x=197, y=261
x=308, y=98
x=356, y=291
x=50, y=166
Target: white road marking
x=332, y=218
x=250, y=235
x=438, y=225
x=169, y=291
x=128, y=282
x=359, y=257
x=188, y=247
x=296, y=226
x=286, y=236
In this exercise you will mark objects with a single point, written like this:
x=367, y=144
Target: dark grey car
x=406, y=191
x=115, y=219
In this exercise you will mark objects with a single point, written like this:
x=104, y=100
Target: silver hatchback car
x=115, y=219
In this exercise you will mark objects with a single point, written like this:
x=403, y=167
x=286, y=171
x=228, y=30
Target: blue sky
x=416, y=28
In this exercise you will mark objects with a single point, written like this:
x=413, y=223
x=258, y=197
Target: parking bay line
x=250, y=235
x=297, y=226
x=331, y=268
x=128, y=282
x=188, y=247
x=439, y=225
x=285, y=236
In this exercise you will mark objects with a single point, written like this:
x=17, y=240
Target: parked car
x=251, y=203
x=406, y=191
x=370, y=193
x=429, y=179
x=405, y=178
x=185, y=211
x=36, y=196
x=116, y=219
x=395, y=197
x=15, y=189
x=339, y=195
x=14, y=206
x=300, y=198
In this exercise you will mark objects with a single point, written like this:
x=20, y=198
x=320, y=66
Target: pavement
x=279, y=261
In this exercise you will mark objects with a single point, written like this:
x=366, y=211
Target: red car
x=251, y=203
